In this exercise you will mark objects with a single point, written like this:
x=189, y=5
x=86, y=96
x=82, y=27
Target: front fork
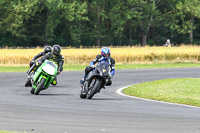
x=86, y=87
x=34, y=85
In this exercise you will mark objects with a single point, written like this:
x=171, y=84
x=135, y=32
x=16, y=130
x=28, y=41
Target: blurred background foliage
x=86, y=23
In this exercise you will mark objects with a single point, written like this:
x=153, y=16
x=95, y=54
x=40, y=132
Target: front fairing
x=50, y=68
x=101, y=71
x=44, y=72
x=103, y=68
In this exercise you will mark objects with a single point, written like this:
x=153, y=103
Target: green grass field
x=183, y=91
x=125, y=66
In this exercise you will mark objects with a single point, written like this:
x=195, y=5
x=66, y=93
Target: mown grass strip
x=124, y=66
x=182, y=91
x=11, y=132
x=157, y=65
x=25, y=68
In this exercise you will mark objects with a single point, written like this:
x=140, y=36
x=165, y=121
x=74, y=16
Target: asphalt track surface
x=60, y=110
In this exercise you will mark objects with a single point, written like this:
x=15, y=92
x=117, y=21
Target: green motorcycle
x=43, y=76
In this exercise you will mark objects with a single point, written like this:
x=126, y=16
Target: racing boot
x=83, y=94
x=54, y=82
x=82, y=81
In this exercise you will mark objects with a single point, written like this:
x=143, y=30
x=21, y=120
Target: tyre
x=83, y=96
x=40, y=86
x=28, y=83
x=96, y=87
x=32, y=91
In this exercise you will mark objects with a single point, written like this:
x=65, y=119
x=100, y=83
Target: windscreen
x=51, y=63
x=103, y=66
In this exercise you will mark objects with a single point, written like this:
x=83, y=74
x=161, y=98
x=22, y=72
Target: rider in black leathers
x=56, y=57
x=46, y=50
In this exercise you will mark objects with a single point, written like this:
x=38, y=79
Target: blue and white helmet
x=105, y=51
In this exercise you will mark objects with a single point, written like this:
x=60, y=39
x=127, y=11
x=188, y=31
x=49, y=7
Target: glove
x=32, y=62
x=92, y=66
x=38, y=63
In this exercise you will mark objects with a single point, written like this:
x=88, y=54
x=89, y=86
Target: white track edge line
x=119, y=91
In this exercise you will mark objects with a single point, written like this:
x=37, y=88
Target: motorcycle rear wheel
x=40, y=86
x=28, y=83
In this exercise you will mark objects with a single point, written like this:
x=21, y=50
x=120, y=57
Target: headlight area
x=49, y=69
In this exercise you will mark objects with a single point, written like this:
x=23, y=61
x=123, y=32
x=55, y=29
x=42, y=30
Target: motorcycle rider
x=55, y=57
x=105, y=56
x=46, y=50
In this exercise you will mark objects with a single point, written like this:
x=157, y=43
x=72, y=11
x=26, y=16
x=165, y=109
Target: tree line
x=76, y=23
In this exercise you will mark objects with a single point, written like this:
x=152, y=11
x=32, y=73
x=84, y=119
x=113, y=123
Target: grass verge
x=157, y=65
x=25, y=68
x=10, y=132
x=124, y=66
x=183, y=91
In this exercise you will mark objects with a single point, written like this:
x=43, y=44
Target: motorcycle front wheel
x=40, y=86
x=93, y=91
